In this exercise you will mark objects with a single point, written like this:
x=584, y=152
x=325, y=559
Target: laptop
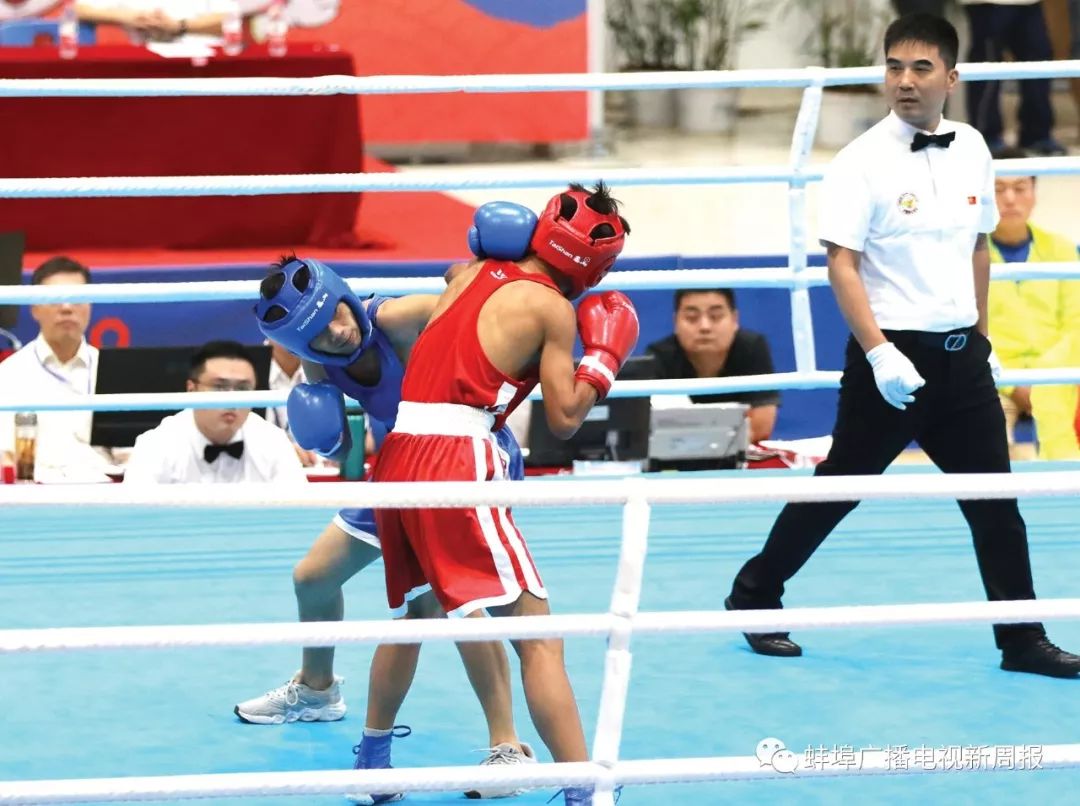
x=698, y=436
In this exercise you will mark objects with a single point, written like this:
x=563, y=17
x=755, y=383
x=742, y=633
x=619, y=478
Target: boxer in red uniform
x=499, y=327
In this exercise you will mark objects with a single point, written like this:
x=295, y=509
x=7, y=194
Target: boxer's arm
x=566, y=399
x=313, y=373
x=408, y=314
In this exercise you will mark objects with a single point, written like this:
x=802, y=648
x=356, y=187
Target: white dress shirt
x=280, y=381
x=177, y=9
x=63, y=437
x=914, y=216
x=172, y=453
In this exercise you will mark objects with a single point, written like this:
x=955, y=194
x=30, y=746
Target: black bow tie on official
x=212, y=452
x=922, y=140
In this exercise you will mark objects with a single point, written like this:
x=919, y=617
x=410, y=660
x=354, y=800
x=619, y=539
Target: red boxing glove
x=608, y=325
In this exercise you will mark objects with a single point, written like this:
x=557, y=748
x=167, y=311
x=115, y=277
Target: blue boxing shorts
x=360, y=523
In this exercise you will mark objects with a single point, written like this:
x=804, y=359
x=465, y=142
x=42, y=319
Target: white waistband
x=443, y=419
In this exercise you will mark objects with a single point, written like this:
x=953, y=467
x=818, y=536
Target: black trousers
x=957, y=419
x=1020, y=30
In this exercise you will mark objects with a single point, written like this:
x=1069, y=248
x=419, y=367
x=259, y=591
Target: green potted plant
x=711, y=32
x=846, y=33
x=647, y=37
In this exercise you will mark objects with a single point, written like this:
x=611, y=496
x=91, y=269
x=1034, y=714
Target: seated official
x=188, y=21
x=1034, y=323
x=57, y=365
x=215, y=445
x=286, y=373
x=708, y=343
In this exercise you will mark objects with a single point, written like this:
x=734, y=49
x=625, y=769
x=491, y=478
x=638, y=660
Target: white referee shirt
x=281, y=381
x=63, y=437
x=914, y=216
x=177, y=9
x=172, y=453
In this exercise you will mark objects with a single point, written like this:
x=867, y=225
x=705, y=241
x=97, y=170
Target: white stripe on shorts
x=513, y=536
x=499, y=555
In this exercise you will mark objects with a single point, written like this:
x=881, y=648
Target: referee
x=905, y=209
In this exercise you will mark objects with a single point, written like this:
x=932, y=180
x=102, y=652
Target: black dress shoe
x=1040, y=657
x=777, y=644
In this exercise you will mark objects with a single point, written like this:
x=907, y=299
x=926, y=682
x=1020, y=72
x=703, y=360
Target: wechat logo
x=772, y=752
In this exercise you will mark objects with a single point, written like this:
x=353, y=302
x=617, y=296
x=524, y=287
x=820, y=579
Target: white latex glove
x=995, y=365
x=894, y=374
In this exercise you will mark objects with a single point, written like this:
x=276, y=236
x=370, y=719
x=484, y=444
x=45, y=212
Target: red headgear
x=568, y=244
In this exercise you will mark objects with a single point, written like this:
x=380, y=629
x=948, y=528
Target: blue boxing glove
x=502, y=230
x=317, y=418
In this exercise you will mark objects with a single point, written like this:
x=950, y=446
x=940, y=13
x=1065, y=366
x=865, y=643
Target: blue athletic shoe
x=373, y=753
x=579, y=796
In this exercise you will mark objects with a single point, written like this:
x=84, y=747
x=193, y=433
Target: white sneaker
x=504, y=754
x=294, y=702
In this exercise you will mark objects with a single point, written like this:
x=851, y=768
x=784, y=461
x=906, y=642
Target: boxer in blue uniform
x=358, y=348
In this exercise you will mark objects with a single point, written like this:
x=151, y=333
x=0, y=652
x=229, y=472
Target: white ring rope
x=782, y=381
x=582, y=625
x=639, y=280
x=433, y=779
x=541, y=493
x=537, y=82
x=421, y=180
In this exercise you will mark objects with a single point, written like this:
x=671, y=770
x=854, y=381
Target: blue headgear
x=300, y=310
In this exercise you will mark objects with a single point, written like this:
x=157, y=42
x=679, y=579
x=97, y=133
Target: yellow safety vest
x=1036, y=323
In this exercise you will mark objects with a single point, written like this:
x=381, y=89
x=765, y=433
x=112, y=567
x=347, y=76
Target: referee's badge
x=908, y=203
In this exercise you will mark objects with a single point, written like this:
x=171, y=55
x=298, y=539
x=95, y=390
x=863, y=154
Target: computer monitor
x=11, y=260
x=615, y=429
x=150, y=370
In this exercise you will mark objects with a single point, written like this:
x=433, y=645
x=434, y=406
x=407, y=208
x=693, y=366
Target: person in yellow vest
x=1035, y=323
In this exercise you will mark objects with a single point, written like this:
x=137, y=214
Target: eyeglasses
x=227, y=386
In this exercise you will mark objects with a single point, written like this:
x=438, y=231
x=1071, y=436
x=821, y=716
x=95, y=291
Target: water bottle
x=25, y=445
x=352, y=466
x=68, y=31
x=277, y=29
x=232, y=30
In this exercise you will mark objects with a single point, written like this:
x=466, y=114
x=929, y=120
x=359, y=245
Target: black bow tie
x=212, y=452
x=921, y=140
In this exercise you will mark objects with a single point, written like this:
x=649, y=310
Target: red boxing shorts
x=469, y=558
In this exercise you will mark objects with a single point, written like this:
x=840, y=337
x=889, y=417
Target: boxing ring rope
x=581, y=625
x=428, y=180
x=535, y=82
x=637, y=496
x=647, y=280
x=429, y=779
x=531, y=492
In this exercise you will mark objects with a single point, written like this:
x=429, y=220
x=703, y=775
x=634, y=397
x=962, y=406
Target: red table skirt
x=60, y=137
